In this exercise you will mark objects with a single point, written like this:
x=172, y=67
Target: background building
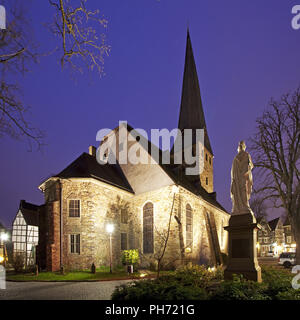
x=275, y=237
x=264, y=238
x=290, y=243
x=25, y=232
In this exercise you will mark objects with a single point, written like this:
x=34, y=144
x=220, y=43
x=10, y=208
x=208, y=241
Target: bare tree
x=17, y=52
x=258, y=206
x=276, y=153
x=82, y=43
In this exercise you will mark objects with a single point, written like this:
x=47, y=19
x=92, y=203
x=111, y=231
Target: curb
x=85, y=281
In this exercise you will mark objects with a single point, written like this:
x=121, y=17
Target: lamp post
x=4, y=238
x=110, y=229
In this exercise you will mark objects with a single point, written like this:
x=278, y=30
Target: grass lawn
x=85, y=275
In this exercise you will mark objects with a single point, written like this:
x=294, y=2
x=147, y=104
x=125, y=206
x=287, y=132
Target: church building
x=146, y=203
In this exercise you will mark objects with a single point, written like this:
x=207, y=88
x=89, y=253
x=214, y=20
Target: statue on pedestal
x=242, y=228
x=241, y=181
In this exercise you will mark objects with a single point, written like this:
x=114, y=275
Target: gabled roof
x=263, y=222
x=191, y=109
x=86, y=166
x=273, y=223
x=30, y=213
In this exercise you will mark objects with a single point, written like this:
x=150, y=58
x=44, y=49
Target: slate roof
x=86, y=166
x=191, y=109
x=30, y=213
x=180, y=178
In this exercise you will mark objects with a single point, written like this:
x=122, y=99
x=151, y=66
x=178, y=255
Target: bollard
x=93, y=268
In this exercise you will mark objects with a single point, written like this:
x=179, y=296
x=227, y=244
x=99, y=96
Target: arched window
x=148, y=228
x=189, y=226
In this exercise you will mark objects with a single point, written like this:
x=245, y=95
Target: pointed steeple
x=191, y=109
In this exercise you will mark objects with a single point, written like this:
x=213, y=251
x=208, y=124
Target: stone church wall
x=101, y=204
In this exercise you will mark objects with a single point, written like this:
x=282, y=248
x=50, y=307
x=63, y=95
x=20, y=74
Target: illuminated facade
x=138, y=199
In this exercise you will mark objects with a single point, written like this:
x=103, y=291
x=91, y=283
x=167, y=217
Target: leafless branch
x=17, y=53
x=276, y=152
x=78, y=28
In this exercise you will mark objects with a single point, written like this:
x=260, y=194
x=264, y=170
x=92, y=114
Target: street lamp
x=4, y=238
x=110, y=229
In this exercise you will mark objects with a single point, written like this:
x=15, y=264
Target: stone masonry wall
x=208, y=172
x=101, y=204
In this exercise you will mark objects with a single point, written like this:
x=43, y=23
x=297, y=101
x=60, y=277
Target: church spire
x=191, y=109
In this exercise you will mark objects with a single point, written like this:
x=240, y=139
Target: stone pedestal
x=242, y=257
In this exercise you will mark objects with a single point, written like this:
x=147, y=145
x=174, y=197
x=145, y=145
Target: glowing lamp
x=110, y=228
x=4, y=236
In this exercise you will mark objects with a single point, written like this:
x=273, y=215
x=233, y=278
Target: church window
x=124, y=216
x=210, y=160
x=189, y=226
x=148, y=228
x=74, y=208
x=75, y=243
x=123, y=241
x=206, y=158
x=206, y=181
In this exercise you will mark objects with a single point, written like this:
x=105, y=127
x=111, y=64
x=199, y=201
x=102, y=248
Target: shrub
x=197, y=282
x=199, y=275
x=290, y=294
x=159, y=289
x=18, y=262
x=130, y=256
x=240, y=289
x=277, y=282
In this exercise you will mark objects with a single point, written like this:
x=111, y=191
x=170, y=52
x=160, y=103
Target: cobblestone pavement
x=101, y=290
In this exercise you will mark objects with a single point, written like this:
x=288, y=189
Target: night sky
x=246, y=52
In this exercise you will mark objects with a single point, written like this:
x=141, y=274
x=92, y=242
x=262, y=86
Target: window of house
x=288, y=239
x=148, y=228
x=189, y=226
x=75, y=243
x=74, y=208
x=123, y=241
x=265, y=240
x=124, y=216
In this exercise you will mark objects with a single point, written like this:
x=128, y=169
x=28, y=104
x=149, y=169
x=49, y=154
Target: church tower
x=192, y=116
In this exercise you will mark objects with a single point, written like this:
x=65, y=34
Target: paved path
x=101, y=290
